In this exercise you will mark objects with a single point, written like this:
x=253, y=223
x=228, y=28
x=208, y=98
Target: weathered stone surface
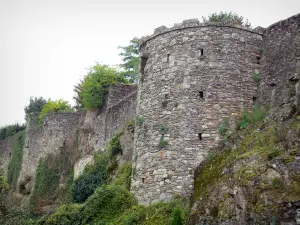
x=193, y=77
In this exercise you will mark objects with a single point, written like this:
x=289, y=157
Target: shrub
x=256, y=76
x=35, y=107
x=177, y=218
x=227, y=18
x=274, y=153
x=163, y=129
x=139, y=120
x=223, y=128
x=163, y=143
x=55, y=106
x=123, y=176
x=93, y=176
x=66, y=215
x=15, y=163
x=114, y=145
x=107, y=203
x=251, y=117
x=211, y=156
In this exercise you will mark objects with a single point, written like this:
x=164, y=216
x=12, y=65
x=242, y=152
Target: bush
x=177, y=218
x=163, y=143
x=227, y=18
x=93, y=177
x=66, y=215
x=223, y=128
x=163, y=129
x=35, y=107
x=15, y=163
x=107, y=203
x=249, y=117
x=55, y=106
x=274, y=153
x=123, y=176
x=139, y=120
x=114, y=145
x=256, y=76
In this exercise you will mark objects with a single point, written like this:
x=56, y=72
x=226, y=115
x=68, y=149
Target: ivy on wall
x=14, y=166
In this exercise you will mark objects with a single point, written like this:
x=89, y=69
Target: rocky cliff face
x=253, y=179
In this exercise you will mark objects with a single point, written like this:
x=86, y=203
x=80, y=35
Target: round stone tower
x=193, y=76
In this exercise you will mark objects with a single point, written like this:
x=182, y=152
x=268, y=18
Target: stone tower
x=193, y=76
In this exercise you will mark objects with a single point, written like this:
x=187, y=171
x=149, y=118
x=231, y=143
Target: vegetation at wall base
x=14, y=166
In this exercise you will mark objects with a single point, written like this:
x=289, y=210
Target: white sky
x=45, y=46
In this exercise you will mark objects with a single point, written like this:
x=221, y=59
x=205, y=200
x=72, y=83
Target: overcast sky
x=46, y=45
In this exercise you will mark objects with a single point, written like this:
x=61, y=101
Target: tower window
x=254, y=99
x=143, y=179
x=200, y=136
x=258, y=59
x=168, y=58
x=201, y=94
x=201, y=52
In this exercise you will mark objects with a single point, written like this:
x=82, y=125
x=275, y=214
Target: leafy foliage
x=163, y=142
x=114, y=145
x=14, y=166
x=93, y=176
x=251, y=117
x=35, y=107
x=66, y=215
x=92, y=91
x=227, y=18
x=107, y=203
x=131, y=59
x=223, y=128
x=177, y=218
x=163, y=129
x=256, y=76
x=139, y=120
x=123, y=176
x=55, y=106
x=11, y=130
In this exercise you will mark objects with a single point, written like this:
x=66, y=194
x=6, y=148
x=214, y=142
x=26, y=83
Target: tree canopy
x=92, y=91
x=55, y=106
x=35, y=106
x=227, y=18
x=131, y=59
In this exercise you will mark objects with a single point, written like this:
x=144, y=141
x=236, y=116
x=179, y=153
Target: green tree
x=131, y=59
x=227, y=18
x=91, y=92
x=35, y=106
x=55, y=106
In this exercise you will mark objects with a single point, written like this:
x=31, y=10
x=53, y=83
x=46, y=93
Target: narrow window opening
x=142, y=67
x=200, y=136
x=201, y=51
x=143, y=179
x=272, y=84
x=258, y=59
x=201, y=94
x=168, y=58
x=10, y=154
x=166, y=96
x=254, y=99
